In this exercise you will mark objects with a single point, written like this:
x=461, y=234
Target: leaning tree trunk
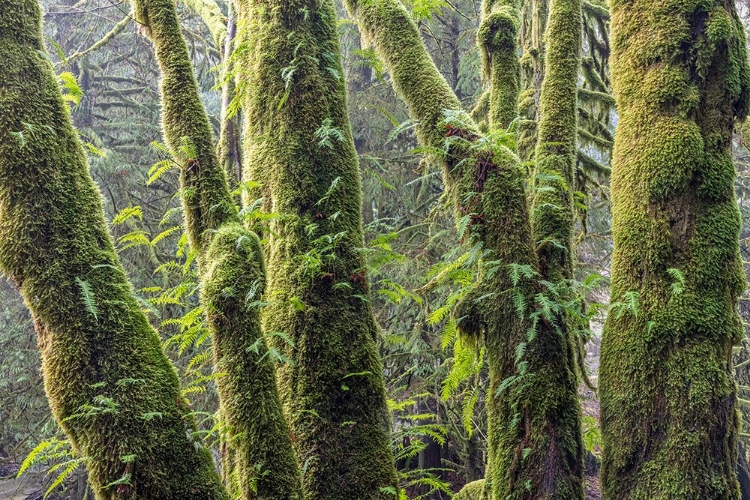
x=668, y=399
x=110, y=385
x=259, y=461
x=299, y=145
x=535, y=442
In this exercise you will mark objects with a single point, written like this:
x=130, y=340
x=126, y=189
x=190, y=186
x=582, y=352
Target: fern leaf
x=88, y=297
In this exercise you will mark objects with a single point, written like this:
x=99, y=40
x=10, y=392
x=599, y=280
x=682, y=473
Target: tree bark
x=668, y=398
x=109, y=384
x=259, y=460
x=534, y=437
x=299, y=145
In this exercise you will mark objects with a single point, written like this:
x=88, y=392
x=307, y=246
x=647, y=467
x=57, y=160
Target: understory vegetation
x=373, y=249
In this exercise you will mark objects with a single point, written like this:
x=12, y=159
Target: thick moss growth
x=669, y=417
x=299, y=145
x=109, y=384
x=258, y=435
x=553, y=213
x=187, y=131
x=498, y=44
x=534, y=435
x=258, y=459
x=472, y=491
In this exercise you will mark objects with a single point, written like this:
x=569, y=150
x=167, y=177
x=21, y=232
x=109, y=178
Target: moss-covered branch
x=205, y=195
x=498, y=43
x=669, y=417
x=210, y=12
x=109, y=384
x=299, y=145
x=533, y=433
x=553, y=214
x=259, y=460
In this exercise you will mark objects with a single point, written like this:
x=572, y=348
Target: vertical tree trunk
x=668, y=399
x=110, y=385
x=498, y=44
x=299, y=145
x=534, y=18
x=259, y=460
x=229, y=148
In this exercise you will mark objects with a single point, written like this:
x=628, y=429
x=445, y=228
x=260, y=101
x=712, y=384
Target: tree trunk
x=534, y=21
x=299, y=145
x=110, y=386
x=229, y=148
x=668, y=398
x=534, y=437
x=258, y=458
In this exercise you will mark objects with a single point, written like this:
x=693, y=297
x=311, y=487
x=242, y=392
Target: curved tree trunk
x=299, y=145
x=535, y=449
x=110, y=386
x=259, y=460
x=668, y=398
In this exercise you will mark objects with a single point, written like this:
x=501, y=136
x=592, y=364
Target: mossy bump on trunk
x=258, y=458
x=534, y=441
x=109, y=384
x=299, y=145
x=472, y=491
x=668, y=398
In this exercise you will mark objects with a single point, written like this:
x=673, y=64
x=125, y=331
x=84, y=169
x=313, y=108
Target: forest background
x=436, y=384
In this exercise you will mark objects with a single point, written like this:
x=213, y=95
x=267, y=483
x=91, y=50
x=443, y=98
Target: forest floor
x=22, y=488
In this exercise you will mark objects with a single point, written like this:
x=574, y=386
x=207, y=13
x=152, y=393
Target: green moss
x=229, y=148
x=109, y=384
x=472, y=491
x=553, y=214
x=534, y=17
x=210, y=12
x=498, y=44
x=258, y=436
x=205, y=194
x=299, y=145
x=258, y=459
x=534, y=435
x=669, y=418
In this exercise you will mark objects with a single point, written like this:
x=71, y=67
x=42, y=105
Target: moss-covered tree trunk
x=498, y=43
x=669, y=417
x=534, y=442
x=110, y=385
x=299, y=145
x=258, y=460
